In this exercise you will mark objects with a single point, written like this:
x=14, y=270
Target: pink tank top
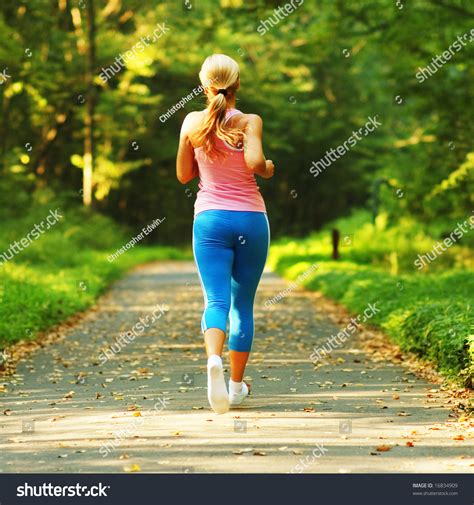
x=225, y=182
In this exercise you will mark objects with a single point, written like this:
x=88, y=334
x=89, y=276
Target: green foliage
x=315, y=77
x=64, y=269
x=430, y=314
x=394, y=248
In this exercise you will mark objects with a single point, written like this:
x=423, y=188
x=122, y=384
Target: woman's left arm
x=186, y=164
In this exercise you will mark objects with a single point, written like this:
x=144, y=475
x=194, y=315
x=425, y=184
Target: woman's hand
x=269, y=169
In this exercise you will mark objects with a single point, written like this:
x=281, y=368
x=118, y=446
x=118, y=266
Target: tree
x=90, y=105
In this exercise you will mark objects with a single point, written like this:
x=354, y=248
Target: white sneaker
x=237, y=397
x=216, y=389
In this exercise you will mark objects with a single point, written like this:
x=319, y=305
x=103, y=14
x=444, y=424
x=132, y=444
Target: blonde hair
x=220, y=76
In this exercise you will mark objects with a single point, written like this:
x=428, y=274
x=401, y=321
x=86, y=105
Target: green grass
x=429, y=313
x=64, y=270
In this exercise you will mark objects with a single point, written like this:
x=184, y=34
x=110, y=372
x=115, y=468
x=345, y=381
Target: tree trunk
x=90, y=106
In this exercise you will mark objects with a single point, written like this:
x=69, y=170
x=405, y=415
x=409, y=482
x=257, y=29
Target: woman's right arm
x=186, y=165
x=253, y=148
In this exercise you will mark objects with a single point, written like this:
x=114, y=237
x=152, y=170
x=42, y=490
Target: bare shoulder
x=252, y=121
x=195, y=115
x=192, y=121
x=252, y=118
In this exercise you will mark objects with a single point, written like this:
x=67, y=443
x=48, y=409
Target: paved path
x=63, y=406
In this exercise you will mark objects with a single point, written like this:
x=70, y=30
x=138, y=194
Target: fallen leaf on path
x=410, y=443
x=259, y=453
x=137, y=414
x=396, y=397
x=132, y=468
x=383, y=448
x=242, y=451
x=124, y=456
x=403, y=414
x=177, y=433
x=458, y=437
x=69, y=395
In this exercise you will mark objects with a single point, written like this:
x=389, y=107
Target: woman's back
x=226, y=183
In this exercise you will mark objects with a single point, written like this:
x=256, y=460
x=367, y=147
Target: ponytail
x=223, y=73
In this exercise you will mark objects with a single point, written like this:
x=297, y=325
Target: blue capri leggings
x=230, y=249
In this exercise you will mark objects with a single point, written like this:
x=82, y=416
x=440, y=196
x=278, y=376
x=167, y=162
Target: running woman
x=223, y=147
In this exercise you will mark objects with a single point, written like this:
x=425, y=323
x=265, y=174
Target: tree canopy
x=316, y=76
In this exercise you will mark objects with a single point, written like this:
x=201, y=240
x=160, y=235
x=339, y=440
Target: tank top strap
x=231, y=113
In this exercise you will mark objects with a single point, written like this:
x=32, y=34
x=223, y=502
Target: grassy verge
x=64, y=269
x=429, y=313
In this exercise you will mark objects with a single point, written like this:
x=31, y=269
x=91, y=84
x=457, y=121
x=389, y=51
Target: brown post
x=335, y=244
